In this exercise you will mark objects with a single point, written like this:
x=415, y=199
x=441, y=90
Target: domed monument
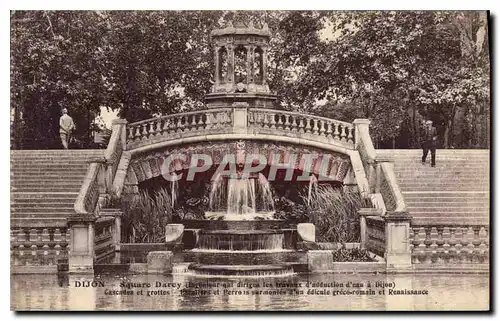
x=240, y=56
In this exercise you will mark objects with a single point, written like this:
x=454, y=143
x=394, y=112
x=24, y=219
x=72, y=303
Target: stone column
x=252, y=63
x=121, y=126
x=264, y=66
x=397, y=235
x=81, y=244
x=248, y=63
x=217, y=66
x=230, y=64
x=361, y=126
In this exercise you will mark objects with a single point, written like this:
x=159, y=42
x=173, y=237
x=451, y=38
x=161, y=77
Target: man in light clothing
x=66, y=127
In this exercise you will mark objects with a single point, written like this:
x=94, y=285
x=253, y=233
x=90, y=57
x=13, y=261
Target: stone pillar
x=264, y=66
x=230, y=64
x=252, y=63
x=217, y=66
x=121, y=126
x=361, y=126
x=248, y=64
x=240, y=116
x=397, y=235
x=81, y=244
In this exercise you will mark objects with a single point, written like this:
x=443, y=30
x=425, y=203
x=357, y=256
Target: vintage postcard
x=250, y=160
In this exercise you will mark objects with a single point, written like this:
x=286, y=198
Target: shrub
x=145, y=217
x=334, y=212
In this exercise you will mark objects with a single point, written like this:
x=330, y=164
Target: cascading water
x=241, y=197
x=313, y=185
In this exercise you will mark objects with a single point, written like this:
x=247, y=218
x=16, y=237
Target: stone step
x=42, y=205
x=447, y=221
x=53, y=209
x=73, y=189
x=438, y=188
x=245, y=258
x=450, y=216
x=56, y=221
x=449, y=210
x=43, y=195
x=461, y=203
x=43, y=215
x=59, y=180
x=20, y=167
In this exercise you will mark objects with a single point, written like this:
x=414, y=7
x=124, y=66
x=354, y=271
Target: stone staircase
x=456, y=191
x=45, y=184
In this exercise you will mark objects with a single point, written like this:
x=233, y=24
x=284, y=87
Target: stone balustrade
x=241, y=120
x=38, y=247
x=183, y=125
x=277, y=122
x=442, y=244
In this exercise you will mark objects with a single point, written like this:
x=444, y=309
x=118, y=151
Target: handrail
x=189, y=113
x=389, y=188
x=383, y=180
x=292, y=113
x=88, y=196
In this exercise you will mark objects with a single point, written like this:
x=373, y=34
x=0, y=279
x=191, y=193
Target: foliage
x=352, y=255
x=145, y=217
x=335, y=214
x=394, y=67
x=333, y=211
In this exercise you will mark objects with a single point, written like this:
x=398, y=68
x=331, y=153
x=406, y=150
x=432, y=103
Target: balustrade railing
x=38, y=246
x=380, y=172
x=299, y=125
x=448, y=244
x=222, y=121
x=211, y=121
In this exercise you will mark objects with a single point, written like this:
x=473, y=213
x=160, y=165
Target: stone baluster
x=201, y=124
x=279, y=123
x=273, y=120
x=131, y=133
x=159, y=128
x=336, y=133
x=315, y=128
x=144, y=133
x=329, y=130
x=342, y=133
x=179, y=124
x=308, y=125
x=350, y=137
x=301, y=125
x=322, y=129
x=287, y=122
x=293, y=124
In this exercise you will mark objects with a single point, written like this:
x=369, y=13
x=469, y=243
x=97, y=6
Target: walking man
x=66, y=127
x=429, y=142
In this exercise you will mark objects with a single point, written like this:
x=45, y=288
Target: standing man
x=429, y=142
x=66, y=127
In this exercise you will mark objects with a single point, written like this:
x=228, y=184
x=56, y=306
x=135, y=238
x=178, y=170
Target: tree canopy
x=395, y=68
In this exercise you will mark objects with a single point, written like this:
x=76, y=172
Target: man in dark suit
x=429, y=142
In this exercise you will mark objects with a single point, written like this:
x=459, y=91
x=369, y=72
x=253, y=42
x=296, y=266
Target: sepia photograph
x=250, y=160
